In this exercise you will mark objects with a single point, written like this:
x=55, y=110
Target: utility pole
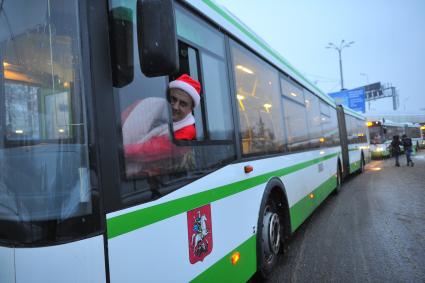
x=342, y=45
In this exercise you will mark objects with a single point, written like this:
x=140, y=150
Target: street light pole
x=339, y=48
x=340, y=69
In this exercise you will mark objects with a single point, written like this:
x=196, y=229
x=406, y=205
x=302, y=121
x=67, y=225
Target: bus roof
x=238, y=29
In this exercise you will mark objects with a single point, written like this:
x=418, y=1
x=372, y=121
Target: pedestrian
x=407, y=145
x=395, y=149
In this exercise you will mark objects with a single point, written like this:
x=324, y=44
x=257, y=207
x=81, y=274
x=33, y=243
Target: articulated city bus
x=381, y=134
x=422, y=129
x=413, y=131
x=74, y=207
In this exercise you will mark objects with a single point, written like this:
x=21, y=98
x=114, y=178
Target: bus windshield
x=375, y=134
x=413, y=132
x=44, y=176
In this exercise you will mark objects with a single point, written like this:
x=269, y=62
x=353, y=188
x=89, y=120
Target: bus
x=381, y=134
x=75, y=208
x=382, y=131
x=422, y=128
x=413, y=131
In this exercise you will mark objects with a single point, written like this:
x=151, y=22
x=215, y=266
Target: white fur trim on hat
x=188, y=89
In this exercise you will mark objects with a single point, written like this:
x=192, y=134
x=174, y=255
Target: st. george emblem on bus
x=199, y=231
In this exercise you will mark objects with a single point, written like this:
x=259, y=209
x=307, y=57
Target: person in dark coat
x=407, y=145
x=395, y=149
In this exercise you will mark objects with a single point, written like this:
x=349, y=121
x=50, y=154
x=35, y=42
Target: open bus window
x=189, y=64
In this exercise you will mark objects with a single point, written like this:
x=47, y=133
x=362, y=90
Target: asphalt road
x=372, y=231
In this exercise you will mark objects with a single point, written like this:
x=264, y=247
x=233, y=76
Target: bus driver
x=145, y=125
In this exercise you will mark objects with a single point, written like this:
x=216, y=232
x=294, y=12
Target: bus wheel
x=270, y=239
x=362, y=164
x=338, y=180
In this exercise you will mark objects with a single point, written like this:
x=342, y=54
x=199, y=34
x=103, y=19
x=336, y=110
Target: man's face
x=181, y=104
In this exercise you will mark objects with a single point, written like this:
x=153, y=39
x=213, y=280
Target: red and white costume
x=146, y=132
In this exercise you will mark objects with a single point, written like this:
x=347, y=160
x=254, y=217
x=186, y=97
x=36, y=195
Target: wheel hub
x=274, y=233
x=271, y=235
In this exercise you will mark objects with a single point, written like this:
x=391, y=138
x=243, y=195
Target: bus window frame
x=204, y=109
x=186, y=9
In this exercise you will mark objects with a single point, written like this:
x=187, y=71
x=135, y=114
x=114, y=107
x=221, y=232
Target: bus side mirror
x=157, y=37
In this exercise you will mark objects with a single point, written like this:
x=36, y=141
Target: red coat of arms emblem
x=199, y=228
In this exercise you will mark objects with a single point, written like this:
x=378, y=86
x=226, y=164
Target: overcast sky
x=389, y=40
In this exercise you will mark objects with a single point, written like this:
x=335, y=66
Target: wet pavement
x=372, y=231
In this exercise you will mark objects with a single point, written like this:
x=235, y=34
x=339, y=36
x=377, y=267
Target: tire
x=338, y=180
x=362, y=164
x=270, y=233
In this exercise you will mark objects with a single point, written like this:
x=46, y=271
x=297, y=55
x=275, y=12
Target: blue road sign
x=353, y=98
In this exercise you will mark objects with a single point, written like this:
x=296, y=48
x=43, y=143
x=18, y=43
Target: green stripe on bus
x=354, y=166
x=303, y=208
x=131, y=221
x=225, y=271
x=264, y=45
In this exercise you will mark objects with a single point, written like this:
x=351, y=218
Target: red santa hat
x=188, y=85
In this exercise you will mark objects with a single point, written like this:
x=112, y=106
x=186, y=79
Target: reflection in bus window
x=295, y=115
x=334, y=126
x=44, y=172
x=296, y=125
x=291, y=90
x=313, y=118
x=31, y=116
x=258, y=96
x=217, y=98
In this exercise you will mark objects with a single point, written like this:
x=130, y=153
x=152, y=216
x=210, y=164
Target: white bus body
x=270, y=147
